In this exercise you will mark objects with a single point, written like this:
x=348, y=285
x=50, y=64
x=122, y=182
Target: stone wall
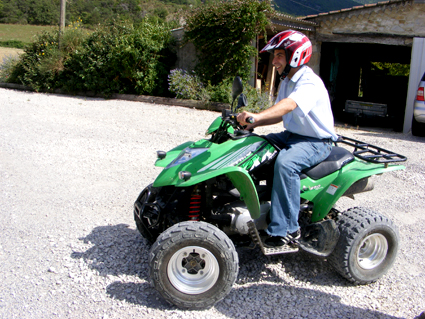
x=390, y=20
x=315, y=57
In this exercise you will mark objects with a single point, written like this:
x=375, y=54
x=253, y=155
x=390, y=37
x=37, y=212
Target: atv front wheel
x=193, y=265
x=367, y=245
x=147, y=216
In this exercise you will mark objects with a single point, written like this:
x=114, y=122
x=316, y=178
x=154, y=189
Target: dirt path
x=7, y=52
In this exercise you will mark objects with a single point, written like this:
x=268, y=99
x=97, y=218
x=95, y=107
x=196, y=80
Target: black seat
x=338, y=158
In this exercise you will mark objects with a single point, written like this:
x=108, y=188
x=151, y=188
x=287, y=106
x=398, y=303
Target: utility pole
x=62, y=21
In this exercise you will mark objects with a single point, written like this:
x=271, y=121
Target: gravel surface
x=70, y=171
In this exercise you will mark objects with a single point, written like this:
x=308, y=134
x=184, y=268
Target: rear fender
x=336, y=184
x=240, y=179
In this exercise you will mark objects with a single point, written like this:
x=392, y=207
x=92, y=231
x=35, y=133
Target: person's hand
x=243, y=118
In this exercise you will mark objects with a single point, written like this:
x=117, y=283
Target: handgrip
x=250, y=120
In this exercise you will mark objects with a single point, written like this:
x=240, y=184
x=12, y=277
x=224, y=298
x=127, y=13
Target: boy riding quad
x=215, y=193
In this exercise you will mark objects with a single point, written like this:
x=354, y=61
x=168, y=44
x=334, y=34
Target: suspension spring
x=195, y=207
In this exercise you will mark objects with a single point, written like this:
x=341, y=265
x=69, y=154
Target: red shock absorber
x=195, y=207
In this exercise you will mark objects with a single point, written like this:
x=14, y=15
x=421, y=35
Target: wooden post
x=271, y=77
x=62, y=21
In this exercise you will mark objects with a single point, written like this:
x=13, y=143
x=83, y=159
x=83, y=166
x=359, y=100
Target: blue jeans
x=297, y=153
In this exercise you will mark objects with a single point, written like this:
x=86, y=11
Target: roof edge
x=356, y=8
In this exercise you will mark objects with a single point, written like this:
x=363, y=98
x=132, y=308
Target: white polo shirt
x=313, y=116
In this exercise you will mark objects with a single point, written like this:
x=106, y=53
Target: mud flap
x=320, y=238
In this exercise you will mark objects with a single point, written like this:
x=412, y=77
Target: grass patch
x=12, y=44
x=16, y=35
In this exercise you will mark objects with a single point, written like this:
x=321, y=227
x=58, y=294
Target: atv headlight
x=186, y=155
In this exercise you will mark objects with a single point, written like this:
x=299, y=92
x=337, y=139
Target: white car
x=418, y=121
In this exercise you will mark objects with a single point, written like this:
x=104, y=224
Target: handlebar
x=230, y=117
x=250, y=120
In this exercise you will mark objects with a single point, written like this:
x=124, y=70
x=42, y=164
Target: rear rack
x=371, y=153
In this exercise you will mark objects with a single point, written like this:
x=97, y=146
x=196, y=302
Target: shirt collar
x=299, y=73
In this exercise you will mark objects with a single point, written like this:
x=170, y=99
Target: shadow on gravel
x=301, y=266
x=118, y=250
x=142, y=294
x=263, y=300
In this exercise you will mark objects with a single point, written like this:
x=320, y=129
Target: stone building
x=350, y=39
x=346, y=45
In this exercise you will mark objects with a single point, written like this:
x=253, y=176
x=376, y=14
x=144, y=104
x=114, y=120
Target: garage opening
x=373, y=78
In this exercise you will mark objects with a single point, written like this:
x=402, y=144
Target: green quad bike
x=214, y=194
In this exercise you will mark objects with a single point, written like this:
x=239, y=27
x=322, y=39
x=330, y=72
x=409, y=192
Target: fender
x=172, y=154
x=240, y=179
x=237, y=175
x=337, y=183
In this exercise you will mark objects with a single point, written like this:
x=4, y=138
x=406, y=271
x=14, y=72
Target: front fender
x=240, y=179
x=172, y=154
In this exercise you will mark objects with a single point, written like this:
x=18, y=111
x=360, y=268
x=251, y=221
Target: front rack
x=371, y=153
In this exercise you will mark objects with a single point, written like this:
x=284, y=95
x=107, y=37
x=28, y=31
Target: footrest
x=253, y=232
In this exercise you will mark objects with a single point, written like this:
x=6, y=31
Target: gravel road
x=70, y=170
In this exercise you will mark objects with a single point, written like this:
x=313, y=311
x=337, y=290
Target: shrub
x=37, y=67
x=117, y=58
x=12, y=44
x=187, y=85
x=122, y=58
x=7, y=66
x=257, y=101
x=222, y=34
x=42, y=62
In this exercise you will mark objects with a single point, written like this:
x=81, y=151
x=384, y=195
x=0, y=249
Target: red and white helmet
x=297, y=47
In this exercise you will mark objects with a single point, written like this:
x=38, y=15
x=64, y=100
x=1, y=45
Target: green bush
x=7, y=66
x=257, y=101
x=187, y=85
x=118, y=58
x=12, y=44
x=223, y=33
x=39, y=65
x=121, y=58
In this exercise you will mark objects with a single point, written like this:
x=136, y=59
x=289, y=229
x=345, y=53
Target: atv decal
x=264, y=154
x=312, y=188
x=332, y=189
x=232, y=159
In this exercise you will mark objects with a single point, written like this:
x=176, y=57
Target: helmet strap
x=285, y=72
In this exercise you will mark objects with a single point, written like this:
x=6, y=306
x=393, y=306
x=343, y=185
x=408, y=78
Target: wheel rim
x=372, y=252
x=193, y=270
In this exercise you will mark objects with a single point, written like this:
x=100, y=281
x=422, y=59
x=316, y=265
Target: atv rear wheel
x=193, y=265
x=367, y=245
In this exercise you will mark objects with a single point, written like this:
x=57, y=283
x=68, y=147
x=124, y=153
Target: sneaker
x=275, y=241
x=278, y=241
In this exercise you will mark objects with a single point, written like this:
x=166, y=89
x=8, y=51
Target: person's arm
x=269, y=116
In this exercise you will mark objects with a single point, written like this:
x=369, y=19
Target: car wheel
x=418, y=128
